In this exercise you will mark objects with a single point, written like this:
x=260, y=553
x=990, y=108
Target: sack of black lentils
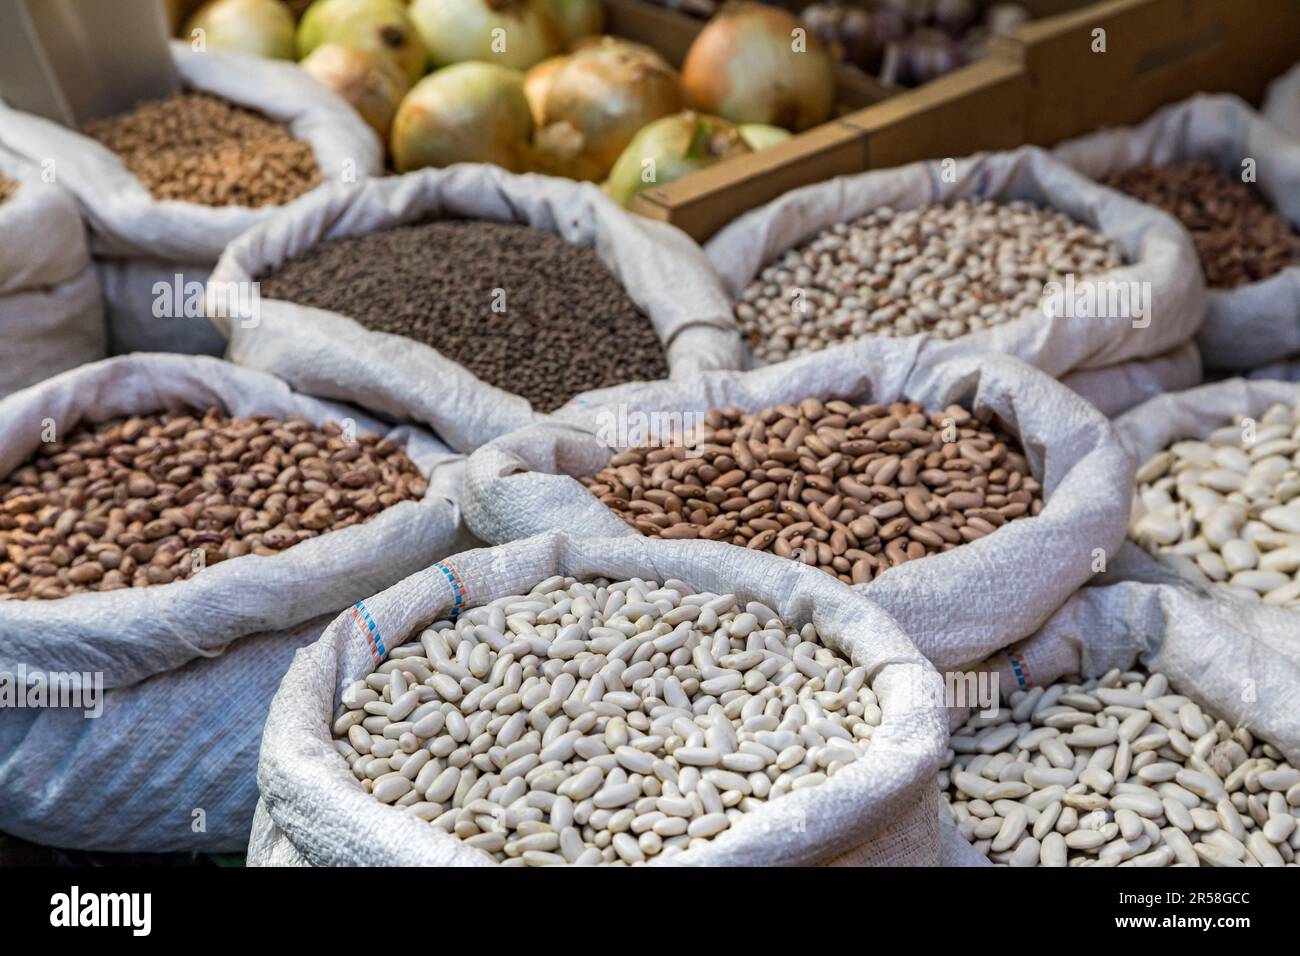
x=471, y=299
x=1010, y=252
x=966, y=493
x=1282, y=102
x=166, y=186
x=51, y=314
x=1116, y=389
x=173, y=528
x=1233, y=180
x=641, y=702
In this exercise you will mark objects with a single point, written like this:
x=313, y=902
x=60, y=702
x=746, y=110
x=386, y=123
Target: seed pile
x=1119, y=770
x=519, y=307
x=1228, y=508
x=851, y=489
x=1240, y=239
x=153, y=499
x=7, y=189
x=197, y=148
x=603, y=722
x=946, y=270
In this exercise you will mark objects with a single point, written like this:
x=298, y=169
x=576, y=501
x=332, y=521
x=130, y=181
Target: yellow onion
x=514, y=33
x=599, y=98
x=260, y=27
x=537, y=84
x=575, y=19
x=376, y=26
x=467, y=113
x=370, y=82
x=761, y=136
x=668, y=149
x=744, y=67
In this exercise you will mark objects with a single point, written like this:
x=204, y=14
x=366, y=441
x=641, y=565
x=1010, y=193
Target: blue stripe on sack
x=372, y=629
x=457, y=589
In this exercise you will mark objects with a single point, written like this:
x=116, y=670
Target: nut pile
x=1228, y=509
x=1119, y=770
x=201, y=149
x=1239, y=238
x=946, y=270
x=603, y=722
x=851, y=489
x=136, y=502
x=519, y=307
x=7, y=189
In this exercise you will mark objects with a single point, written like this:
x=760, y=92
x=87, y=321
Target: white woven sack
x=145, y=641
x=1158, y=250
x=126, y=222
x=879, y=810
x=1116, y=389
x=957, y=606
x=1255, y=323
x=1282, y=102
x=329, y=354
x=1288, y=371
x=51, y=313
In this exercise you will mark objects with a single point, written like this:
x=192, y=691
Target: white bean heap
x=602, y=722
x=947, y=270
x=1119, y=771
x=1228, y=509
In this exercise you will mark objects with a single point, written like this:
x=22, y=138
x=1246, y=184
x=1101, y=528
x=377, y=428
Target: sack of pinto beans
x=966, y=493
x=566, y=699
x=515, y=294
x=165, y=187
x=1233, y=179
x=1010, y=252
x=51, y=314
x=172, y=529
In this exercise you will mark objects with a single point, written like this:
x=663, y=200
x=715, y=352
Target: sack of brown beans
x=1010, y=252
x=514, y=295
x=1116, y=389
x=1282, y=102
x=1233, y=180
x=169, y=526
x=966, y=493
x=567, y=699
x=165, y=187
x=51, y=314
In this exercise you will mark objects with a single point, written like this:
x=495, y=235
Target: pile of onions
x=260, y=27
x=575, y=19
x=597, y=100
x=745, y=66
x=467, y=113
x=370, y=82
x=670, y=148
x=513, y=33
x=376, y=26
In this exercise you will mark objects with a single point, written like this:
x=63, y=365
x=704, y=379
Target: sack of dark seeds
x=51, y=313
x=164, y=187
x=1233, y=180
x=173, y=529
x=1011, y=252
x=471, y=299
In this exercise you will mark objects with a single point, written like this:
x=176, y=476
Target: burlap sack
x=1255, y=323
x=879, y=810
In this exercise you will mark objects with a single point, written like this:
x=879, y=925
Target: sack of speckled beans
x=164, y=187
x=515, y=294
x=172, y=530
x=1232, y=179
x=1010, y=252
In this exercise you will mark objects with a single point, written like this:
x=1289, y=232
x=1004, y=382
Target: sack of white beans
x=1246, y=324
x=1062, y=502
x=910, y=275
x=1116, y=389
x=327, y=353
x=1282, y=102
x=51, y=313
x=566, y=699
x=169, y=614
x=142, y=244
